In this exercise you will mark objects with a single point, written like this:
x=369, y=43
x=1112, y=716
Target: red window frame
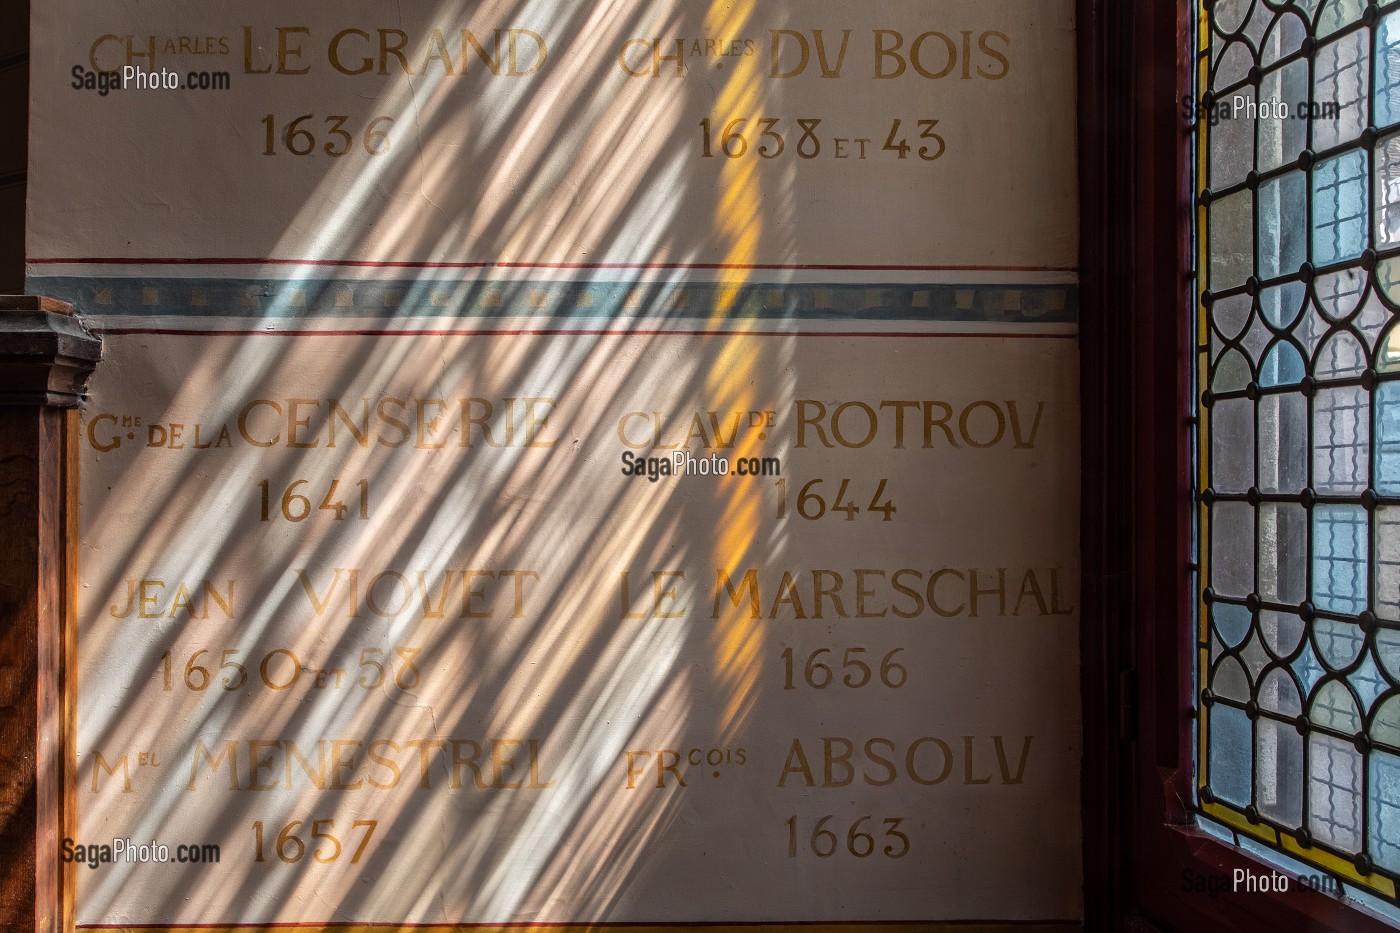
x=1138, y=597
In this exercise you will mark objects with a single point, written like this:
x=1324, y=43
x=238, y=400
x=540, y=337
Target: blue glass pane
x=1232, y=622
x=1385, y=810
x=1231, y=373
x=1341, y=77
x=1387, y=76
x=1283, y=552
x=1231, y=747
x=1278, y=771
x=1335, y=15
x=1341, y=440
x=1339, y=569
x=1386, y=726
x=1334, y=791
x=1230, y=680
x=1387, y=441
x=1339, y=208
x=1368, y=683
x=1279, y=694
x=1388, y=650
x=1308, y=670
x=1387, y=557
x=1279, y=141
x=1280, y=202
x=1282, y=441
x=1338, y=643
x=1282, y=303
x=1335, y=708
x=1387, y=210
x=1283, y=366
x=1282, y=631
x=1232, y=548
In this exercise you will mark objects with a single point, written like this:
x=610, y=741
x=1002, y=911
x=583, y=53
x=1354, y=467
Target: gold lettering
x=286, y=52
x=333, y=53
x=243, y=422
x=459, y=762
x=294, y=422
x=257, y=763
x=749, y=585
x=884, y=50
x=98, y=43
x=359, y=431
x=99, y=762
x=340, y=767
x=372, y=751
x=230, y=753
x=622, y=58
x=993, y=53
x=832, y=592
x=425, y=425
x=862, y=594
x=796, y=763
x=500, y=762
x=318, y=777
x=437, y=52
x=787, y=596
x=492, y=62
x=395, y=49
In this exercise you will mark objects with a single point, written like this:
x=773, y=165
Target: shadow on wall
x=382, y=599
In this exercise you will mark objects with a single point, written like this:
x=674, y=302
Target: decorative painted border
x=493, y=299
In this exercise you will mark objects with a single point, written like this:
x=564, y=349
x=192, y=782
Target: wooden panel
x=14, y=27
x=14, y=118
x=12, y=239
x=14, y=152
x=30, y=598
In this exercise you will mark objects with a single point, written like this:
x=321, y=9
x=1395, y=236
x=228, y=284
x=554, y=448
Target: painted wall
x=408, y=579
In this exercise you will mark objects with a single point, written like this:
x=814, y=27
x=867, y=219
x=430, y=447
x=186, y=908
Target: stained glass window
x=1297, y=141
